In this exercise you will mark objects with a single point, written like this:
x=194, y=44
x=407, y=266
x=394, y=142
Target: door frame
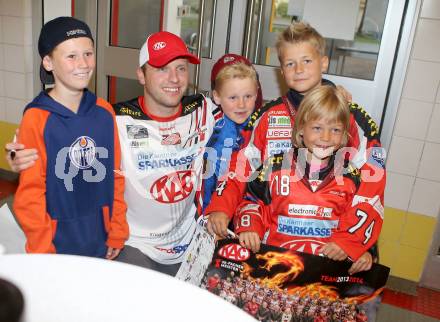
x=431, y=270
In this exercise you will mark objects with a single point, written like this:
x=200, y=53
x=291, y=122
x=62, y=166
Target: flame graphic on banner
x=324, y=291
x=330, y=292
x=291, y=261
x=366, y=297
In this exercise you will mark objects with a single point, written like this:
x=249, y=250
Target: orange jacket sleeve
x=118, y=231
x=30, y=198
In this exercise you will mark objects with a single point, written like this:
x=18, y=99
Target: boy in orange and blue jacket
x=71, y=202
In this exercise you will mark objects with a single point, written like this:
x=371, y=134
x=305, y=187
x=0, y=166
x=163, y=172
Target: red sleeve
x=360, y=226
x=253, y=212
x=30, y=198
x=250, y=216
x=231, y=188
x=118, y=231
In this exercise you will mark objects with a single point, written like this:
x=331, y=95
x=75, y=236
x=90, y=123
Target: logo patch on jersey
x=173, y=187
x=374, y=201
x=279, y=121
x=150, y=161
x=128, y=111
x=188, y=108
x=306, y=227
x=377, y=157
x=310, y=211
x=234, y=252
x=337, y=193
x=175, y=250
x=278, y=146
x=279, y=133
x=82, y=152
x=171, y=139
x=138, y=144
x=303, y=245
x=314, y=184
x=136, y=132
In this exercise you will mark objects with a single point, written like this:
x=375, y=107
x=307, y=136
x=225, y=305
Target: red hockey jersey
x=269, y=132
x=286, y=209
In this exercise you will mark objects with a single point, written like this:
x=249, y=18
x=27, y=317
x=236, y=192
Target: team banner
x=277, y=284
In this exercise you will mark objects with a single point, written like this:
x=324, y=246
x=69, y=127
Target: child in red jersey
x=300, y=200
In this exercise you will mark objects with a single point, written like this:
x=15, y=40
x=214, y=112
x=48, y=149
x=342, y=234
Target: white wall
x=16, y=58
x=414, y=155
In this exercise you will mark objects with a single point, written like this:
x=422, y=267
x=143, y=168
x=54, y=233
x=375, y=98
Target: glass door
x=361, y=38
x=123, y=27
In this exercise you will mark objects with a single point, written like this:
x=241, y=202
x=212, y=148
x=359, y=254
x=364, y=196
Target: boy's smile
x=322, y=138
x=237, y=98
x=302, y=66
x=72, y=63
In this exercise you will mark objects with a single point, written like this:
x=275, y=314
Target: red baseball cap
x=229, y=59
x=162, y=47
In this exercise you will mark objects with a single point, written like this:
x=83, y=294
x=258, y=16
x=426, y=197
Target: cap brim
x=166, y=59
x=45, y=76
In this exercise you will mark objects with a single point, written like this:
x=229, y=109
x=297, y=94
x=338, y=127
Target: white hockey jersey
x=162, y=160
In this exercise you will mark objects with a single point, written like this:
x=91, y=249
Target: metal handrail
x=250, y=16
x=257, y=41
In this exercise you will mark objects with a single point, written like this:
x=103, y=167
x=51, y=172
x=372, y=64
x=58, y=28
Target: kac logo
x=159, y=45
x=234, y=252
x=228, y=59
x=82, y=152
x=173, y=187
x=310, y=246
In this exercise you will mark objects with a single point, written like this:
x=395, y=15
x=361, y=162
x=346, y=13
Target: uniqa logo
x=82, y=152
x=159, y=45
x=234, y=252
x=173, y=187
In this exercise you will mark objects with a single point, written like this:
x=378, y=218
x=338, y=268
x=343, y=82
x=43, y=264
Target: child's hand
x=333, y=251
x=112, y=253
x=18, y=157
x=362, y=264
x=250, y=240
x=218, y=224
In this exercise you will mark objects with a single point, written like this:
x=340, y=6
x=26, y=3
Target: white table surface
x=64, y=288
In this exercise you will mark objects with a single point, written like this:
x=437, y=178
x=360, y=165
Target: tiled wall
x=16, y=65
x=412, y=197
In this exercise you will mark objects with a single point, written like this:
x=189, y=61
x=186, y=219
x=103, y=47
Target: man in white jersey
x=163, y=135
